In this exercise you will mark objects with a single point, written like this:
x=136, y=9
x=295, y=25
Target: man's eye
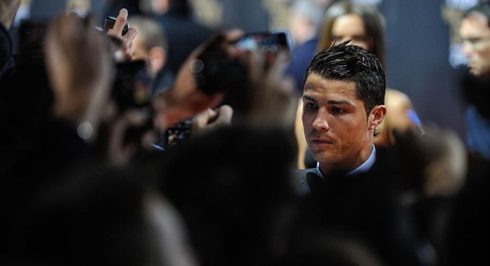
x=310, y=106
x=336, y=110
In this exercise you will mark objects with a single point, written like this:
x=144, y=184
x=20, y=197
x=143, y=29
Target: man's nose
x=321, y=123
x=466, y=49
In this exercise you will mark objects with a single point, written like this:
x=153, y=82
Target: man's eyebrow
x=340, y=102
x=309, y=98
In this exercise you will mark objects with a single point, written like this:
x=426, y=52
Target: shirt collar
x=361, y=169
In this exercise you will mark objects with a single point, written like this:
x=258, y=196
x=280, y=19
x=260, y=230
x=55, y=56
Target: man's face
x=139, y=50
x=476, y=44
x=337, y=128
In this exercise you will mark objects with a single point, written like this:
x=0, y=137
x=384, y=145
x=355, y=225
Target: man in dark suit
x=354, y=185
x=475, y=35
x=343, y=103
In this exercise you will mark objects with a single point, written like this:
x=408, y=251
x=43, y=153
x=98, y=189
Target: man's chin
x=322, y=157
x=479, y=72
x=475, y=72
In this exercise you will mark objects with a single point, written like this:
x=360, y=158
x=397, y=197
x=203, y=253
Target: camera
x=177, y=134
x=272, y=42
x=217, y=73
x=131, y=88
x=109, y=23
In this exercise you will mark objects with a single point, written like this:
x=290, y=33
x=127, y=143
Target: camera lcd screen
x=270, y=41
x=177, y=134
x=132, y=85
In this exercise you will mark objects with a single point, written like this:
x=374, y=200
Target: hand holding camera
x=213, y=70
x=92, y=92
x=273, y=95
x=185, y=98
x=120, y=29
x=210, y=120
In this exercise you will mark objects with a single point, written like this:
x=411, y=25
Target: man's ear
x=158, y=57
x=377, y=115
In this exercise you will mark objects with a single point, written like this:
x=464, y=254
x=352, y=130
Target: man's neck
x=363, y=164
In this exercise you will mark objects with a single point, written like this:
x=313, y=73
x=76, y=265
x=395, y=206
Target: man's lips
x=321, y=142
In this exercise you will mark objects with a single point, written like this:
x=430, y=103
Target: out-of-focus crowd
x=149, y=139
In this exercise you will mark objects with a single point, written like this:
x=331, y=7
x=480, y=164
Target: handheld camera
x=219, y=73
x=109, y=23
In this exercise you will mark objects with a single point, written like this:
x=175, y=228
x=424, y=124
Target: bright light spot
x=370, y=2
x=456, y=56
x=461, y=4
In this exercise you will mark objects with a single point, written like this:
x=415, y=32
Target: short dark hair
x=482, y=8
x=352, y=63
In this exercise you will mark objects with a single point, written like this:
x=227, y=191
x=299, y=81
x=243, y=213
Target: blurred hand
x=185, y=99
x=8, y=9
x=438, y=155
x=79, y=69
x=210, y=120
x=121, y=147
x=274, y=98
x=127, y=46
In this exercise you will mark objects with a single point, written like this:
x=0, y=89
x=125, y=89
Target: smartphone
x=273, y=41
x=109, y=23
x=132, y=91
x=222, y=73
x=132, y=86
x=177, y=134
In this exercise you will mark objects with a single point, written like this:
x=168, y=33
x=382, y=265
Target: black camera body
x=215, y=73
x=131, y=87
x=109, y=23
x=218, y=74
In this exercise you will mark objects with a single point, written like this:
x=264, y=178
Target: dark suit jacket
x=367, y=203
x=386, y=173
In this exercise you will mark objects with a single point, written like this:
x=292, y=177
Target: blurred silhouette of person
x=6, y=51
x=8, y=9
x=102, y=215
x=305, y=23
x=467, y=238
x=332, y=245
x=475, y=32
x=151, y=45
x=236, y=206
x=184, y=34
x=112, y=7
x=155, y=7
